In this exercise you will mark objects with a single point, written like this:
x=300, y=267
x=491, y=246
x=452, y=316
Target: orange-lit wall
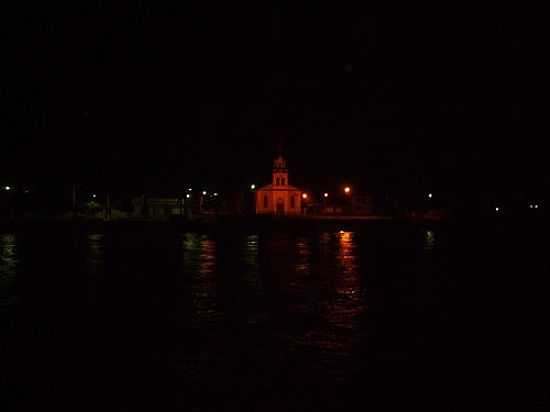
x=275, y=197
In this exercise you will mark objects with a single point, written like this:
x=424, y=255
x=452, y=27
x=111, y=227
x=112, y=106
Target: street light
x=497, y=209
x=188, y=196
x=347, y=190
x=304, y=196
x=94, y=195
x=7, y=188
x=204, y=193
x=252, y=187
x=325, y=195
x=216, y=194
x=430, y=195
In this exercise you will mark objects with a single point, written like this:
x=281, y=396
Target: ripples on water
x=238, y=315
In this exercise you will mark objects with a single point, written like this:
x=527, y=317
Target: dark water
x=377, y=316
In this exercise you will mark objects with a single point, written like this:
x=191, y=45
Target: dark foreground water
x=378, y=316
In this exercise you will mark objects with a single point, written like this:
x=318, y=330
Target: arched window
x=266, y=202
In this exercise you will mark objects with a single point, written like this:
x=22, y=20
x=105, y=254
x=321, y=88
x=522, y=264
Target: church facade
x=279, y=198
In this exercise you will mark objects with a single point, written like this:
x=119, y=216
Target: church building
x=279, y=198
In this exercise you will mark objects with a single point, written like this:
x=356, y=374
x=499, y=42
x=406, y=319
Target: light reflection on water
x=348, y=281
x=268, y=309
x=199, y=264
x=252, y=265
x=336, y=284
x=429, y=240
x=95, y=263
x=303, y=257
x=8, y=254
x=95, y=252
x=9, y=266
x=313, y=289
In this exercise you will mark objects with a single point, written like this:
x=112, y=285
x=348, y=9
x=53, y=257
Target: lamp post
x=347, y=194
x=305, y=196
x=11, y=201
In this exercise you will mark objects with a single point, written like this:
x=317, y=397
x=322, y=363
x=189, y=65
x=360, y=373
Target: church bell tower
x=280, y=172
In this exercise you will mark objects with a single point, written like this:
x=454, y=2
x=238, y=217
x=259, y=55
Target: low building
x=158, y=207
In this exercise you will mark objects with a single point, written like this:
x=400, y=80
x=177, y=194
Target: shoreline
x=203, y=221
x=237, y=222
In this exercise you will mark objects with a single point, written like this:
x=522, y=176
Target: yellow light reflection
x=199, y=254
x=251, y=260
x=429, y=240
x=95, y=254
x=8, y=257
x=303, y=256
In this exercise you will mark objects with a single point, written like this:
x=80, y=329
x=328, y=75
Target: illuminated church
x=279, y=198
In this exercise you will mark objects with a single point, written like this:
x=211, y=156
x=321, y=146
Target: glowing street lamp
x=430, y=195
x=188, y=196
x=304, y=196
x=216, y=194
x=252, y=187
x=7, y=188
x=325, y=195
x=94, y=195
x=204, y=193
x=497, y=209
x=347, y=190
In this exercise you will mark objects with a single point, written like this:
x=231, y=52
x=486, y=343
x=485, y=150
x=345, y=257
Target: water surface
x=306, y=319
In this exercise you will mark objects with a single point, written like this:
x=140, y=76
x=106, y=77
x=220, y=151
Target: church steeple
x=280, y=172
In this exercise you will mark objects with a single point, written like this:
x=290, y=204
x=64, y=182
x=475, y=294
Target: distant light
x=342, y=232
x=347, y=189
x=204, y=193
x=536, y=206
x=497, y=209
x=94, y=195
x=187, y=195
x=325, y=195
x=8, y=188
x=304, y=195
x=216, y=194
x=26, y=192
x=190, y=189
x=530, y=206
x=430, y=195
x=252, y=187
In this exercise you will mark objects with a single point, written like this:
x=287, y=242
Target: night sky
x=432, y=98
